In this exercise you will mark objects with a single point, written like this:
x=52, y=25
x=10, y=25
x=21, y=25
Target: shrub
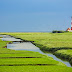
x=55, y=31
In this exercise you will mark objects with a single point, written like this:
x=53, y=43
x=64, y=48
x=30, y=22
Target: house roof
x=68, y=29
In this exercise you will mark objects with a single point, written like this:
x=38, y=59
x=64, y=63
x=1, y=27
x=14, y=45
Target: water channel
x=27, y=46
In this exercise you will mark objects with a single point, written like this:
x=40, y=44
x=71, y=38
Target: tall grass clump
x=65, y=55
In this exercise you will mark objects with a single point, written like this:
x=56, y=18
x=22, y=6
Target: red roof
x=68, y=29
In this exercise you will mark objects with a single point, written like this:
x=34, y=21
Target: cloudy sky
x=35, y=15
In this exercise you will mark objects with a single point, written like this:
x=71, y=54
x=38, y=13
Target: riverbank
x=65, y=55
x=19, y=44
x=22, y=36
x=50, y=42
x=13, y=60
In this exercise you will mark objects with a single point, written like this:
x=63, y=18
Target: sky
x=35, y=15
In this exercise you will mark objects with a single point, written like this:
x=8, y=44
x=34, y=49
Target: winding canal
x=17, y=45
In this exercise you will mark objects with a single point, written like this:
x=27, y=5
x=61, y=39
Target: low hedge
x=55, y=31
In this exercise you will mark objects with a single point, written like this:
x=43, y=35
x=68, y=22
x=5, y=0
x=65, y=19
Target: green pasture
x=0, y=37
x=21, y=54
x=13, y=61
x=3, y=43
x=49, y=40
x=17, y=61
x=67, y=52
x=35, y=69
x=64, y=54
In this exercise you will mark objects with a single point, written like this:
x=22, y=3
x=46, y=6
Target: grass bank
x=48, y=41
x=35, y=69
x=28, y=61
x=64, y=54
x=45, y=41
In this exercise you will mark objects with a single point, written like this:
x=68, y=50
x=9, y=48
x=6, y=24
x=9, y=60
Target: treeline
x=55, y=31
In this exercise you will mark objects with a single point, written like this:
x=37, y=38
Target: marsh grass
x=64, y=54
x=45, y=41
x=35, y=69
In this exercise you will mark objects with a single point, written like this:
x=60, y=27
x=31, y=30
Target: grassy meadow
x=28, y=61
x=50, y=40
x=64, y=54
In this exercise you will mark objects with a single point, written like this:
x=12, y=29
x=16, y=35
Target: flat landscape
x=59, y=44
x=35, y=36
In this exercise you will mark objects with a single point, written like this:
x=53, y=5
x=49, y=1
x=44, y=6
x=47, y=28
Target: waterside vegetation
x=64, y=54
x=34, y=61
x=27, y=61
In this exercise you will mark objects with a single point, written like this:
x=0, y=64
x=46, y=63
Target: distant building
x=68, y=29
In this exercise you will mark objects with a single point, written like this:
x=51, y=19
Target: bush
x=55, y=31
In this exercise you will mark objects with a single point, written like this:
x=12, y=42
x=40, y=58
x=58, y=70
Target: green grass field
x=65, y=54
x=10, y=61
x=50, y=40
x=16, y=61
x=35, y=69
